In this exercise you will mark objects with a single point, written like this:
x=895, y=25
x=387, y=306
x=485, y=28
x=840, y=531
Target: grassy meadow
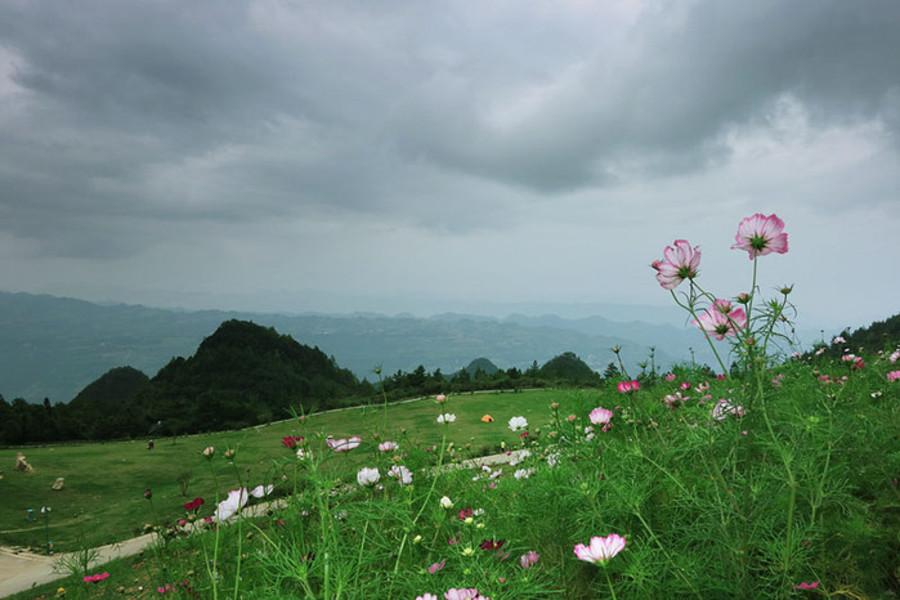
x=782, y=486
x=103, y=501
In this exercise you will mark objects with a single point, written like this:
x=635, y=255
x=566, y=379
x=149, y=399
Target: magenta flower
x=679, y=263
x=95, y=578
x=761, y=235
x=628, y=386
x=601, y=549
x=718, y=323
x=807, y=586
x=601, y=416
x=437, y=566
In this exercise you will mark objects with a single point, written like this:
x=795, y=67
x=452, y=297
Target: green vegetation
x=697, y=489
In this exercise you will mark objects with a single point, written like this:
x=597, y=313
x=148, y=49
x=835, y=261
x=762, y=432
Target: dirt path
x=21, y=570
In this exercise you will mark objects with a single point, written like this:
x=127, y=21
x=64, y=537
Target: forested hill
x=245, y=374
x=241, y=375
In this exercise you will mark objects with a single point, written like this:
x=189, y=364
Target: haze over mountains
x=53, y=347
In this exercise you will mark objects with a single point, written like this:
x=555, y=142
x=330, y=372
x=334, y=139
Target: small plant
x=184, y=481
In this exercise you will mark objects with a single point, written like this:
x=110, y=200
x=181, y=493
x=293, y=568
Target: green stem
x=212, y=570
x=609, y=582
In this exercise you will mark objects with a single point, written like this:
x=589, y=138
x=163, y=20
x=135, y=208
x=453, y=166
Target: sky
x=429, y=156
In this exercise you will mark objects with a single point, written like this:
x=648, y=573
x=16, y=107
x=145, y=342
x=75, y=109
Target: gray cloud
x=122, y=123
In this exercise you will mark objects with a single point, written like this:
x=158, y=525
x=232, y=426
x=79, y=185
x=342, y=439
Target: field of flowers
x=778, y=478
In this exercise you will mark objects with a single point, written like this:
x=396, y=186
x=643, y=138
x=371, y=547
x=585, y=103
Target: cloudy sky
x=431, y=155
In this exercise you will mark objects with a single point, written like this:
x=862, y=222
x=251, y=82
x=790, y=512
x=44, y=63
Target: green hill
x=242, y=375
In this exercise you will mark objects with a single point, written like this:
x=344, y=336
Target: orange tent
x=487, y=419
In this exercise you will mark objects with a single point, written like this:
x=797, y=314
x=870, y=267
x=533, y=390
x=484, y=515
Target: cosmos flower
x=715, y=321
x=518, y=423
x=368, y=476
x=601, y=416
x=760, y=235
x=679, y=263
x=601, y=549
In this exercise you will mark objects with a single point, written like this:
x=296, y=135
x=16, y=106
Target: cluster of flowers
x=237, y=499
x=95, y=578
x=185, y=585
x=857, y=361
x=759, y=235
x=628, y=386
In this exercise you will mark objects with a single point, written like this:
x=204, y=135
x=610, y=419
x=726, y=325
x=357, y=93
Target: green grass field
x=795, y=495
x=103, y=501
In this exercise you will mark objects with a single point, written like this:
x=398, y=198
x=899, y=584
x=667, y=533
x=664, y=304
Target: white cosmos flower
x=523, y=473
x=261, y=491
x=446, y=418
x=368, y=476
x=518, y=423
x=235, y=502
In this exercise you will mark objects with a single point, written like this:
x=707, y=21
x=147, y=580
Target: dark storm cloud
x=134, y=114
x=662, y=97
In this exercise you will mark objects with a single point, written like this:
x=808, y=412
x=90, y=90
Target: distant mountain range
x=53, y=347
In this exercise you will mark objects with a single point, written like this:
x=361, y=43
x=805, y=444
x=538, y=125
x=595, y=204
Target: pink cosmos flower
x=628, y=386
x=675, y=400
x=807, y=586
x=401, y=473
x=714, y=321
x=761, y=235
x=601, y=549
x=437, y=566
x=464, y=594
x=387, y=446
x=427, y=597
x=601, y=416
x=679, y=263
x=893, y=376
x=95, y=578
x=529, y=558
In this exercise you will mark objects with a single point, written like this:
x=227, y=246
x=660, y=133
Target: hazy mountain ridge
x=54, y=347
